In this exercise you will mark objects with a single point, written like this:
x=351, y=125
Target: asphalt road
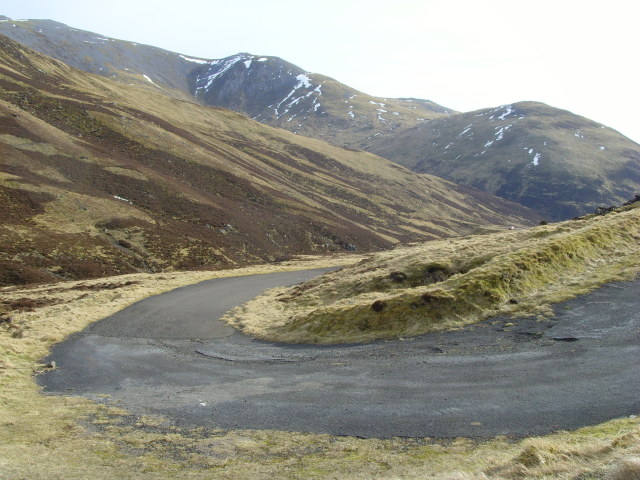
x=170, y=355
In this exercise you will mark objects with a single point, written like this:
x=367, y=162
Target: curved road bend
x=170, y=355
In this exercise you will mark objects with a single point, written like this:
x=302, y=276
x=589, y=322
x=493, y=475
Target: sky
x=579, y=55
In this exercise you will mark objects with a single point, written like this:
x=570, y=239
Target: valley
x=477, y=319
x=101, y=178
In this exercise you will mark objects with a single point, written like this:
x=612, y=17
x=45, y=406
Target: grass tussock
x=447, y=284
x=60, y=437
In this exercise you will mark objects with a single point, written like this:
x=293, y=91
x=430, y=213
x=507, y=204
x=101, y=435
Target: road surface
x=170, y=355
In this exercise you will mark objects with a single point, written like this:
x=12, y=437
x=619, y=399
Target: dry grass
x=447, y=284
x=57, y=437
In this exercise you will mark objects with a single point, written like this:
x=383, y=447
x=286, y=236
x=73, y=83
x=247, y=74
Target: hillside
x=557, y=163
x=551, y=160
x=102, y=178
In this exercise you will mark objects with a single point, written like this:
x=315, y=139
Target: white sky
x=580, y=55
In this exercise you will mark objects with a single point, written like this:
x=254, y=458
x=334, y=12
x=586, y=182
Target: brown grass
x=61, y=437
x=447, y=284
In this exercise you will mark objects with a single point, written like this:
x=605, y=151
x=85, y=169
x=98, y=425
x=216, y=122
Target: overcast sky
x=580, y=55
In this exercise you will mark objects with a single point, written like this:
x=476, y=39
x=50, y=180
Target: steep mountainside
x=99, y=177
x=548, y=159
x=280, y=94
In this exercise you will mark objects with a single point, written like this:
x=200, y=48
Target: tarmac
x=171, y=355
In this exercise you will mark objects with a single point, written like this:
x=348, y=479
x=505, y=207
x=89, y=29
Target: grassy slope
x=101, y=178
x=449, y=283
x=56, y=437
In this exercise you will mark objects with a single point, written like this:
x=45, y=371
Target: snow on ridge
x=262, y=59
x=193, y=60
x=508, y=111
x=303, y=81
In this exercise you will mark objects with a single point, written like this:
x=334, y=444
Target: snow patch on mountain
x=207, y=81
x=508, y=111
x=536, y=160
x=194, y=60
x=505, y=109
x=466, y=129
x=304, y=82
x=150, y=81
x=536, y=156
x=122, y=199
x=500, y=131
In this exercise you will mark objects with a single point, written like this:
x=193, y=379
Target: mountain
x=551, y=160
x=266, y=88
x=280, y=94
x=99, y=177
x=558, y=163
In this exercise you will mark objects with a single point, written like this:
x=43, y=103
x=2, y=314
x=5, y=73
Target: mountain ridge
x=182, y=76
x=408, y=131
